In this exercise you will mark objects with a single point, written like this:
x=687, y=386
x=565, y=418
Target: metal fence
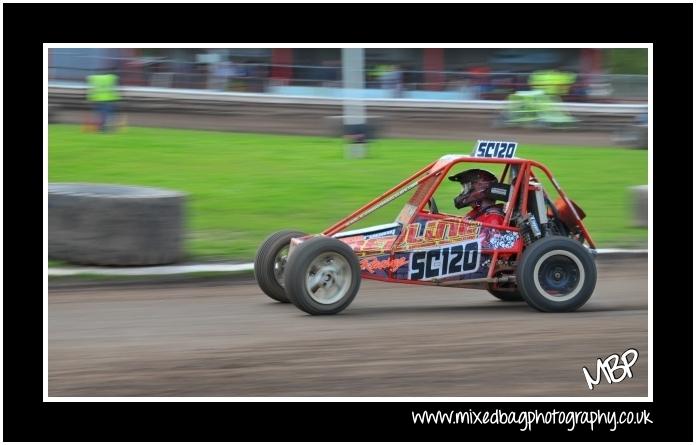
x=323, y=81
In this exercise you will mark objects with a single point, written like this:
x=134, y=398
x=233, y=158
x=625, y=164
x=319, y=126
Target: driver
x=475, y=184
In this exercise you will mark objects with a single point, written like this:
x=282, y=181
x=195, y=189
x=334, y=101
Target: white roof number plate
x=495, y=149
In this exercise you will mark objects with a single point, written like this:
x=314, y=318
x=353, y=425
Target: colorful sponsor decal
x=376, y=264
x=497, y=239
x=435, y=232
x=445, y=261
x=364, y=247
x=495, y=149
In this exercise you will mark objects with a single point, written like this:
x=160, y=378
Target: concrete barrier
x=641, y=137
x=56, y=89
x=115, y=225
x=52, y=113
x=639, y=205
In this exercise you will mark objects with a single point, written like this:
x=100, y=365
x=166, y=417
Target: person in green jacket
x=103, y=93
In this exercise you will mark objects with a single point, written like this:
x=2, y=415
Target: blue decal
x=381, y=234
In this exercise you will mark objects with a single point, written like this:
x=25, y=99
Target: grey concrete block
x=639, y=205
x=52, y=114
x=115, y=225
x=641, y=138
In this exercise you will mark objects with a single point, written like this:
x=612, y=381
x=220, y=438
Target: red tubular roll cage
x=439, y=169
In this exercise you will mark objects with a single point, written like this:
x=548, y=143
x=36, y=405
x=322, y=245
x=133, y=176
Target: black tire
x=556, y=274
x=270, y=282
x=506, y=295
x=336, y=270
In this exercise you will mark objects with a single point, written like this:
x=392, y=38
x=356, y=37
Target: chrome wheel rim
x=279, y=263
x=328, y=278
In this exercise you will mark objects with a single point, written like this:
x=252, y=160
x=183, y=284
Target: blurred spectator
x=372, y=75
x=224, y=72
x=538, y=80
x=566, y=79
x=263, y=73
x=220, y=72
x=384, y=77
x=103, y=93
x=254, y=77
x=553, y=82
x=377, y=75
x=479, y=76
x=242, y=72
x=464, y=87
x=394, y=80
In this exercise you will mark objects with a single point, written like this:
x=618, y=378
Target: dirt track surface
x=228, y=339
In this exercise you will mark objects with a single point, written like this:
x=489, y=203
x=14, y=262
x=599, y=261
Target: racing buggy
x=542, y=253
x=534, y=109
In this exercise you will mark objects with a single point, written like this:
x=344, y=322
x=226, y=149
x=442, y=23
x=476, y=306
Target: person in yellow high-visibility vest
x=554, y=83
x=540, y=80
x=103, y=93
x=565, y=82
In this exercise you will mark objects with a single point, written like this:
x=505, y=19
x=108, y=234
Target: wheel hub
x=279, y=263
x=328, y=278
x=558, y=276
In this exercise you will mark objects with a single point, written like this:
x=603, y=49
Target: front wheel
x=322, y=276
x=556, y=274
x=269, y=265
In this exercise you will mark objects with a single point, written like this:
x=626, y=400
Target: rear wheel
x=323, y=276
x=269, y=265
x=556, y=274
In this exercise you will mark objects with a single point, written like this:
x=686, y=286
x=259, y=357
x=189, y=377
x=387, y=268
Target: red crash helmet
x=474, y=182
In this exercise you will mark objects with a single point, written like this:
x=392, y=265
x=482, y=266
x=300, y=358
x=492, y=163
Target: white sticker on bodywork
x=495, y=149
x=445, y=261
